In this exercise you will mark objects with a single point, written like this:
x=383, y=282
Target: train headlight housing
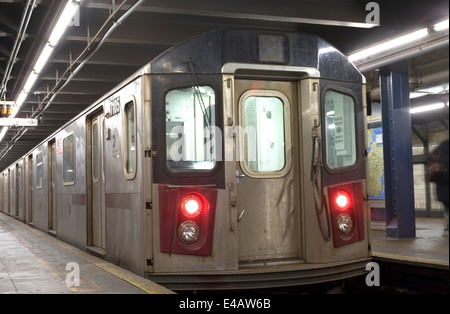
x=348, y=205
x=189, y=232
x=344, y=223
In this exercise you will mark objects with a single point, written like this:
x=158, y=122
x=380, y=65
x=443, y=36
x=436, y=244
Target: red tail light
x=192, y=205
x=343, y=200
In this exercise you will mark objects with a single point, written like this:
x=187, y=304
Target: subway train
x=234, y=160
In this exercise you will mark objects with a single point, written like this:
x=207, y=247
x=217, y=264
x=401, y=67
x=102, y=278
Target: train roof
x=209, y=52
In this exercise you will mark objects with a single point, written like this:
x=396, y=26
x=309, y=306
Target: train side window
x=130, y=140
x=339, y=110
x=69, y=160
x=95, y=151
x=266, y=133
x=13, y=177
x=190, y=124
x=39, y=170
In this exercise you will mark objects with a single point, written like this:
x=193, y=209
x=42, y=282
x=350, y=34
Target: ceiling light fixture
x=438, y=89
x=397, y=42
x=61, y=25
x=64, y=20
x=427, y=108
x=441, y=26
x=390, y=44
x=413, y=95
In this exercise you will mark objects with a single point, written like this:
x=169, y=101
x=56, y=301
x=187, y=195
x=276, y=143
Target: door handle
x=239, y=176
x=240, y=215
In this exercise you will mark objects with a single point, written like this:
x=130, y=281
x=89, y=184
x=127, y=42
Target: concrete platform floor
x=33, y=262
x=429, y=246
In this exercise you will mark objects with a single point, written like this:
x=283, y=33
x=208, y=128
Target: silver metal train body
x=233, y=160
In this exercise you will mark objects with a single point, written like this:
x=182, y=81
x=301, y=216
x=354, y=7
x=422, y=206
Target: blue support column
x=397, y=147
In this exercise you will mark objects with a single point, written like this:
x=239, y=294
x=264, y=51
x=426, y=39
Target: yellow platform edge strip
x=137, y=281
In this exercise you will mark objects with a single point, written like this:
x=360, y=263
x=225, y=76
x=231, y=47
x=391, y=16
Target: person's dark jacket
x=440, y=154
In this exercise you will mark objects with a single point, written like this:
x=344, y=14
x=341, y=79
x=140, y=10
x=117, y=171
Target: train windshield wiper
x=198, y=93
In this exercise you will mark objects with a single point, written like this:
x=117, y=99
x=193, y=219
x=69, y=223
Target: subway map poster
x=376, y=164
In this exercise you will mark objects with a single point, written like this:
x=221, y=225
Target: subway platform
x=33, y=262
x=430, y=247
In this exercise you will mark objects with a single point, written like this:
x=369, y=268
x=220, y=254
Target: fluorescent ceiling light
x=2, y=133
x=20, y=100
x=435, y=89
x=387, y=45
x=64, y=20
x=413, y=95
x=427, y=108
x=441, y=26
x=59, y=29
x=30, y=82
x=43, y=58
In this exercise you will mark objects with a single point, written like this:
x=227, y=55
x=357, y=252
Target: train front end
x=258, y=163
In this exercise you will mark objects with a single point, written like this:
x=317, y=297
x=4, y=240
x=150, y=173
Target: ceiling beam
x=337, y=13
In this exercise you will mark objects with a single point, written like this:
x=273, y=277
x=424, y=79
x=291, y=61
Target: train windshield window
x=264, y=134
x=69, y=160
x=340, y=129
x=190, y=124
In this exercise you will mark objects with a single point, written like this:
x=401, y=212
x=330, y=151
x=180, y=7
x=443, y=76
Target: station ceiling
x=157, y=25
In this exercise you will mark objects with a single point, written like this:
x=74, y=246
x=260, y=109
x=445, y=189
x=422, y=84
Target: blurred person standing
x=437, y=171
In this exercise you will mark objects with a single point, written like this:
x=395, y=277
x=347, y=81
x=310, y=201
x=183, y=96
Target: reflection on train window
x=13, y=177
x=264, y=134
x=190, y=128
x=340, y=129
x=39, y=170
x=69, y=160
x=130, y=160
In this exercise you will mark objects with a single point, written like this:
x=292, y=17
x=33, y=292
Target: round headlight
x=344, y=223
x=189, y=232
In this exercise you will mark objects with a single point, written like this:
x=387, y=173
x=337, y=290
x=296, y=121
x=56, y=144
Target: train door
x=52, y=187
x=268, y=183
x=98, y=215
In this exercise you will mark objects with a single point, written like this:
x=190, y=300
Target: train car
x=234, y=160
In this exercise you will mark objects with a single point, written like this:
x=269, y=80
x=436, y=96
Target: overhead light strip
x=427, y=108
x=59, y=29
x=441, y=26
x=397, y=42
x=390, y=44
x=64, y=20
